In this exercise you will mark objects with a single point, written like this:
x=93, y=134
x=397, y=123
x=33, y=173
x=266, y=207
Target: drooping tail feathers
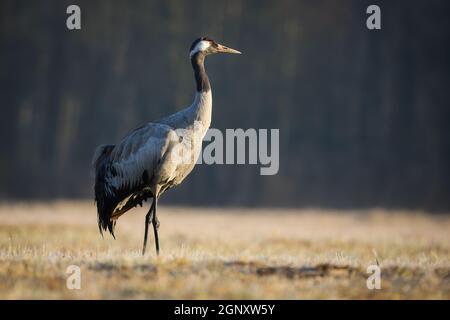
x=104, y=196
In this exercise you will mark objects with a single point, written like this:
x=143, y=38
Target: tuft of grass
x=223, y=254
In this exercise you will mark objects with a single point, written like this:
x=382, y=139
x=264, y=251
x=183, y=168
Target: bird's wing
x=123, y=172
x=136, y=157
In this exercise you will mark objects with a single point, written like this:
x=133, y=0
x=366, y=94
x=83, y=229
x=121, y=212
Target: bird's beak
x=221, y=48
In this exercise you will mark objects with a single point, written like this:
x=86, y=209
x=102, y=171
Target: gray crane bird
x=157, y=156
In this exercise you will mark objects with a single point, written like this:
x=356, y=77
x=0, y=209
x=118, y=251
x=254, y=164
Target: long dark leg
x=155, y=223
x=148, y=217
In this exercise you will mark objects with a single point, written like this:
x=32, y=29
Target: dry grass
x=215, y=253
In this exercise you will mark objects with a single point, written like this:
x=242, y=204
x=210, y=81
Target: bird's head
x=207, y=46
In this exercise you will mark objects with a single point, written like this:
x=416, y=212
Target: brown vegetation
x=216, y=253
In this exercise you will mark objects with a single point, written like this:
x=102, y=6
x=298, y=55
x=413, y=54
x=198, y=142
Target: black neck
x=201, y=78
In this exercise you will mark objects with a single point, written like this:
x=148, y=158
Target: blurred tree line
x=363, y=115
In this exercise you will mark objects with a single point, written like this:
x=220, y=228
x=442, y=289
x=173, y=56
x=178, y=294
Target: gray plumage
x=157, y=156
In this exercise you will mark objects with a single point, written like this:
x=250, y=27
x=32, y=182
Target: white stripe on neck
x=201, y=46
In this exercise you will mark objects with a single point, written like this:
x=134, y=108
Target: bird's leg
x=155, y=223
x=148, y=217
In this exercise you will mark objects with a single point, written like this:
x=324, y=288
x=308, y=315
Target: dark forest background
x=363, y=115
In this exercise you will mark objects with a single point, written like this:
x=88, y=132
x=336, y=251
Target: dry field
x=223, y=253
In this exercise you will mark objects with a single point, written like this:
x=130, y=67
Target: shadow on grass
x=263, y=270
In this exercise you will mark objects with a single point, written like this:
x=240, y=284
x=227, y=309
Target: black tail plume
x=104, y=194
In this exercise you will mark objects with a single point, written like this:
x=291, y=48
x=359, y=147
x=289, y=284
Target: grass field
x=223, y=253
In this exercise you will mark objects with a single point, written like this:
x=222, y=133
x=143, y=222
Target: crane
x=156, y=156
